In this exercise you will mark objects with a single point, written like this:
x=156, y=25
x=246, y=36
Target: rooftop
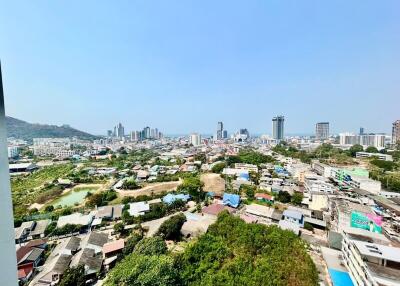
x=378, y=250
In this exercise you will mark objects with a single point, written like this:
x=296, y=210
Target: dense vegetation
x=230, y=253
x=325, y=152
x=249, y=156
x=23, y=130
x=235, y=253
x=36, y=187
x=127, y=160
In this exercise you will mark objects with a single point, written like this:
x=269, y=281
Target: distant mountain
x=23, y=130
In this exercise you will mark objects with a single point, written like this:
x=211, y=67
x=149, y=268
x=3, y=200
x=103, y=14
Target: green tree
x=73, y=277
x=171, y=228
x=130, y=184
x=297, y=198
x=49, y=208
x=119, y=228
x=151, y=246
x=371, y=149
x=235, y=253
x=217, y=168
x=354, y=149
x=283, y=197
x=131, y=243
x=192, y=186
x=249, y=190
x=144, y=270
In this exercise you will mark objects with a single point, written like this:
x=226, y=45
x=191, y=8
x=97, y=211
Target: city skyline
x=243, y=65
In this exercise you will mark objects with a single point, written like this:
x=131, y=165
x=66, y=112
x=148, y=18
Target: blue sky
x=182, y=66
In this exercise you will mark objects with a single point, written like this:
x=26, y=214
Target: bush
x=130, y=185
x=131, y=243
x=67, y=229
x=308, y=226
x=386, y=165
x=171, y=228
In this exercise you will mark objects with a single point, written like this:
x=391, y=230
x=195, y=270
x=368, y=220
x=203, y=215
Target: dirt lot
x=213, y=183
x=156, y=188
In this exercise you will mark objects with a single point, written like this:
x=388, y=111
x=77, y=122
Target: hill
x=23, y=130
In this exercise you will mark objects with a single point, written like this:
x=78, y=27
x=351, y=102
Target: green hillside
x=23, y=130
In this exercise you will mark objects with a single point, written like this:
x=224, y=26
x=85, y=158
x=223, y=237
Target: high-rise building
x=322, y=130
x=396, y=132
x=375, y=140
x=195, y=139
x=119, y=131
x=147, y=132
x=156, y=134
x=225, y=134
x=220, y=129
x=244, y=132
x=361, y=131
x=278, y=127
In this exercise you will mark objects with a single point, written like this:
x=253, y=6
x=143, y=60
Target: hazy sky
x=182, y=66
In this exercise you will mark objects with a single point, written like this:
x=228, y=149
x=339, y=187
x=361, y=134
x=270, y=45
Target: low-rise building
x=380, y=156
x=371, y=264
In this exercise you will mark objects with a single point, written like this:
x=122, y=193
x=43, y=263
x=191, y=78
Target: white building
x=384, y=157
x=195, y=139
x=366, y=140
x=13, y=151
x=321, y=169
x=371, y=264
x=315, y=185
x=366, y=184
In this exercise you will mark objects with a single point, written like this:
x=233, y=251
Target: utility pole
x=8, y=261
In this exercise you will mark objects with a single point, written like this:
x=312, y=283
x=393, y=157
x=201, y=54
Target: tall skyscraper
x=396, y=132
x=278, y=127
x=322, y=130
x=225, y=134
x=147, y=132
x=361, y=130
x=8, y=263
x=220, y=129
x=119, y=131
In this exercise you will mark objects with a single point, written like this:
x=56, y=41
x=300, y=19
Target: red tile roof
x=22, y=251
x=36, y=242
x=215, y=209
x=113, y=246
x=263, y=196
x=24, y=270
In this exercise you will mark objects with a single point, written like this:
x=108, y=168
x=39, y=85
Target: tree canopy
x=74, y=276
x=235, y=253
x=151, y=246
x=171, y=228
x=230, y=253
